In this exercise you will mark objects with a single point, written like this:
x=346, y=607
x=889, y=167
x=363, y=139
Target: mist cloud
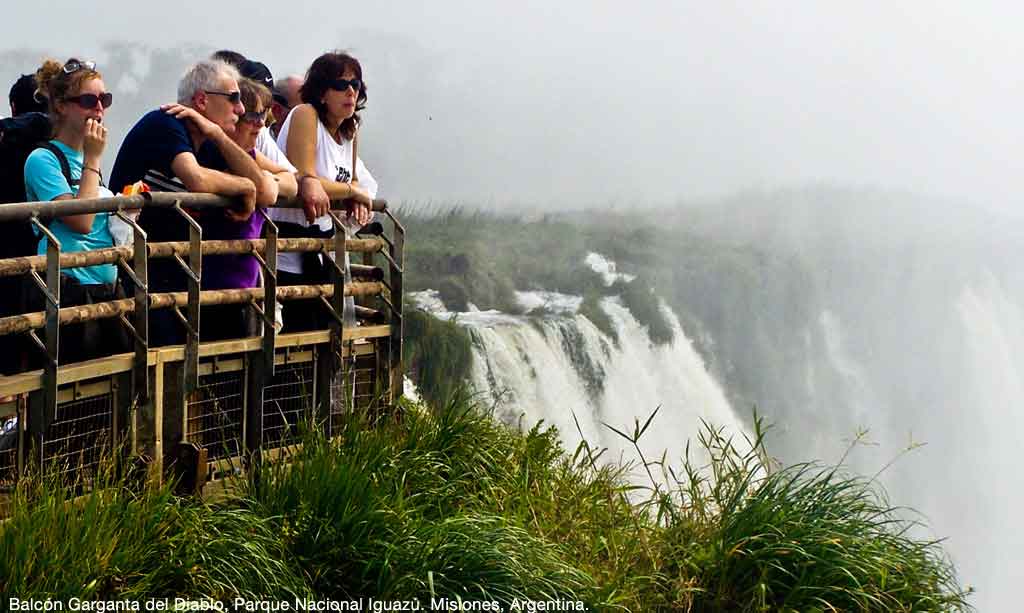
x=590, y=103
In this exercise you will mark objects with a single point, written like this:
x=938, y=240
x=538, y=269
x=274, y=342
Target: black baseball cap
x=257, y=71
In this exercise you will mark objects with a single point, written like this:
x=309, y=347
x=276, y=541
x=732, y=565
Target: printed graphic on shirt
x=343, y=175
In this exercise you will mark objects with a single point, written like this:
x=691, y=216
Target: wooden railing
x=193, y=407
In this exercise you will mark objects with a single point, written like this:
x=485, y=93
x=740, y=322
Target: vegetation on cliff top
x=481, y=258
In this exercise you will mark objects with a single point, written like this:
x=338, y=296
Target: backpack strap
x=65, y=167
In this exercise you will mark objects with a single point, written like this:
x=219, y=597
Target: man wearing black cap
x=257, y=71
x=23, y=97
x=311, y=192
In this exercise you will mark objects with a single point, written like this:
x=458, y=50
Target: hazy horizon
x=583, y=104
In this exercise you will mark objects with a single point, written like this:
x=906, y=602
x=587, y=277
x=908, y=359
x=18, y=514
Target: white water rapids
x=561, y=369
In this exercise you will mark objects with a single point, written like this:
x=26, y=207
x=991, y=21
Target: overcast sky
x=596, y=102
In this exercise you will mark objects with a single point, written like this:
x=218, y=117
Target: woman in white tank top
x=317, y=137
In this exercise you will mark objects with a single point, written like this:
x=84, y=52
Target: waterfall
x=560, y=368
x=982, y=480
x=921, y=352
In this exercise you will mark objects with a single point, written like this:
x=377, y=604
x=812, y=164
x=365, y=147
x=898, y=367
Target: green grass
x=438, y=354
x=114, y=541
x=450, y=503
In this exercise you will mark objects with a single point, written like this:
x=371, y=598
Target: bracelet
x=96, y=170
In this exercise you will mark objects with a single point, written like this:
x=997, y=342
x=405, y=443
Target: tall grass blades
x=112, y=541
x=449, y=503
x=801, y=538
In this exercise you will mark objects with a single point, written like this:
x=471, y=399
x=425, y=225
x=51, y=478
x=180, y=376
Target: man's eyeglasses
x=74, y=66
x=343, y=84
x=256, y=118
x=233, y=97
x=88, y=101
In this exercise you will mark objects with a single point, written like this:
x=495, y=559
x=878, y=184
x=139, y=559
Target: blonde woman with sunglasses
x=241, y=270
x=66, y=168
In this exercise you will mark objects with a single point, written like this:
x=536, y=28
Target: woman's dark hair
x=23, y=97
x=324, y=70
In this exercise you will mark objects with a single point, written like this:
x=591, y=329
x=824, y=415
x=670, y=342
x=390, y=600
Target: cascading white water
x=561, y=369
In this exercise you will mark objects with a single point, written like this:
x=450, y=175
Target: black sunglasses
x=256, y=118
x=343, y=84
x=233, y=97
x=88, y=101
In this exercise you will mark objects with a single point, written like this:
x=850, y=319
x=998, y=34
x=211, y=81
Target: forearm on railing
x=63, y=208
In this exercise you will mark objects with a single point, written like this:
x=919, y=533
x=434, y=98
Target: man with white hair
x=163, y=150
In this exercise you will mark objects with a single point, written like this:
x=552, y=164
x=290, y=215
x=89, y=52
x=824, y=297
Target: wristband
x=96, y=170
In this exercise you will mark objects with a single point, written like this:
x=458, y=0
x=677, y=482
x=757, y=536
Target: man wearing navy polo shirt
x=162, y=150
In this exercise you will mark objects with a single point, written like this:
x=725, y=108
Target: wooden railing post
x=269, y=265
x=194, y=273
x=395, y=272
x=139, y=274
x=46, y=412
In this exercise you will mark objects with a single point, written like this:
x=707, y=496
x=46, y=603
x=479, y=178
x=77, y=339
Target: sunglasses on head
x=75, y=66
x=343, y=84
x=256, y=118
x=233, y=97
x=88, y=101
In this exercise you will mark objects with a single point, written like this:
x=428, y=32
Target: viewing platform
x=198, y=410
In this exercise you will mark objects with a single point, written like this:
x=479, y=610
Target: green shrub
x=438, y=353
x=453, y=294
x=643, y=303
x=591, y=309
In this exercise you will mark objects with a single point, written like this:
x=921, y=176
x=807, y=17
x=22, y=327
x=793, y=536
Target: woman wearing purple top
x=240, y=271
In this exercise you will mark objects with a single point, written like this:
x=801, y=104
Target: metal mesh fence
x=287, y=403
x=75, y=442
x=360, y=385
x=214, y=418
x=9, y=428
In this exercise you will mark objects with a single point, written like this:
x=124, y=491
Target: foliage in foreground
x=455, y=505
